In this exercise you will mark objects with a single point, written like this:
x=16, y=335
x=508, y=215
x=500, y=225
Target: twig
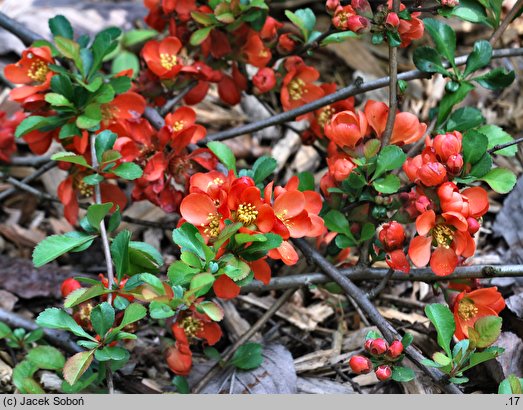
x=378, y=289
x=393, y=85
x=370, y=310
x=246, y=336
x=346, y=378
x=28, y=161
x=499, y=147
x=106, y=248
x=506, y=22
x=366, y=274
x=169, y=105
x=35, y=175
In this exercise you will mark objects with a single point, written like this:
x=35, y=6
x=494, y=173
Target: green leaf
x=69, y=130
x=337, y=222
x=54, y=318
x=500, y=180
x=187, y=237
x=428, y=60
x=128, y=170
x=125, y=60
x=57, y=100
x=304, y=19
x=390, y=158
x=443, y=320
x=69, y=49
x=138, y=36
x=201, y=283
x=103, y=142
x=511, y=385
x=496, y=136
x=70, y=157
x=102, y=318
x=407, y=340
x=481, y=167
x=111, y=353
x=486, y=331
x=259, y=249
x=484, y=356
x=77, y=365
x=338, y=37
x=443, y=36
x=120, y=84
x=464, y=118
x=46, y=357
x=474, y=146
x=402, y=374
x=388, y=185
x=451, y=99
x=120, y=253
x=306, y=181
x=496, y=79
x=479, y=58
x=144, y=258
x=84, y=294
x=224, y=154
x=159, y=310
x=248, y=356
x=181, y=384
x=97, y=212
x=212, y=310
x=199, y=36
x=56, y=245
x=31, y=123
x=262, y=168
x=60, y=26
x=469, y=10
x=133, y=313
x=4, y=330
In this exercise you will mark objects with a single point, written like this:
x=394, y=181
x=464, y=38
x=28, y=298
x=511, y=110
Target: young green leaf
x=501, y=180
x=128, y=170
x=443, y=320
x=479, y=58
x=102, y=318
x=55, y=318
x=391, y=157
x=120, y=253
x=56, y=245
x=444, y=37
x=248, y=356
x=224, y=154
x=77, y=365
x=46, y=357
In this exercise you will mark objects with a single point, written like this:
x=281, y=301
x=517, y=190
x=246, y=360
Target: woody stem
x=506, y=22
x=106, y=248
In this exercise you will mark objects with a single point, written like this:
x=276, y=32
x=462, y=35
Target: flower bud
x=367, y=344
x=392, y=20
x=341, y=168
x=455, y=164
x=395, y=350
x=378, y=347
x=69, y=286
x=446, y=145
x=332, y=5
x=383, y=372
x=392, y=235
x=473, y=225
x=411, y=167
x=360, y=364
x=422, y=204
x=450, y=3
x=286, y=44
x=264, y=80
x=432, y=174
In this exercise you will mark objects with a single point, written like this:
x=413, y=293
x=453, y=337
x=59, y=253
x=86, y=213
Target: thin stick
x=499, y=147
x=506, y=22
x=106, y=248
x=28, y=161
x=243, y=338
x=30, y=178
x=370, y=310
x=169, y=105
x=393, y=85
x=366, y=274
x=378, y=289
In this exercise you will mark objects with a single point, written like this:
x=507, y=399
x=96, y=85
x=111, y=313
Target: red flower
x=126, y=107
x=345, y=18
x=449, y=234
x=298, y=88
x=425, y=168
x=407, y=128
x=179, y=357
x=270, y=28
x=471, y=306
x=7, y=134
x=286, y=44
x=257, y=54
x=347, y=128
x=33, y=71
x=68, y=286
x=409, y=29
x=162, y=57
x=197, y=325
x=392, y=235
x=264, y=80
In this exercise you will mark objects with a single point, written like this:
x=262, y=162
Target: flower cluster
x=392, y=237
x=7, y=134
x=383, y=358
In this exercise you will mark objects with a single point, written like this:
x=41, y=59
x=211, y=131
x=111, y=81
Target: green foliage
x=224, y=154
x=56, y=245
x=248, y=356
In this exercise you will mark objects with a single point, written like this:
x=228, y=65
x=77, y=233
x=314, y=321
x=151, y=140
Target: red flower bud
x=332, y=5
x=473, y=225
x=422, y=204
x=378, y=347
x=358, y=24
x=392, y=20
x=367, y=344
x=264, y=80
x=383, y=372
x=447, y=145
x=432, y=174
x=360, y=364
x=286, y=44
x=179, y=358
x=392, y=235
x=69, y=286
x=455, y=164
x=395, y=349
x=362, y=7
x=450, y=3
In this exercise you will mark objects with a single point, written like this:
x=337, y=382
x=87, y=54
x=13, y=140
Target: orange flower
x=298, y=88
x=33, y=71
x=347, y=128
x=128, y=106
x=407, y=128
x=409, y=29
x=179, y=356
x=256, y=53
x=162, y=57
x=471, y=306
x=7, y=134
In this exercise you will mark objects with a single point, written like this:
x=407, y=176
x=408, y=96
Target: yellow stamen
x=168, y=61
x=296, y=88
x=246, y=213
x=191, y=326
x=467, y=309
x=443, y=235
x=38, y=71
x=213, y=226
x=325, y=115
x=178, y=125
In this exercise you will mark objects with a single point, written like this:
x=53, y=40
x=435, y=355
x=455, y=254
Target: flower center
x=38, y=71
x=296, y=88
x=84, y=189
x=109, y=112
x=443, y=235
x=467, y=309
x=246, y=213
x=178, y=125
x=325, y=115
x=168, y=61
x=213, y=225
x=191, y=326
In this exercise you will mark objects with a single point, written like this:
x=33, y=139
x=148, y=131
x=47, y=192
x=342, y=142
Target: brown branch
x=32, y=161
x=393, y=86
x=30, y=178
x=499, y=147
x=370, y=310
x=506, y=22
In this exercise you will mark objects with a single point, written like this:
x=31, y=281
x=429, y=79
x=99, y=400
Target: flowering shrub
x=234, y=223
